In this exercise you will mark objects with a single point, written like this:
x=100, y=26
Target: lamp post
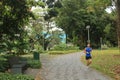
x=88, y=27
x=101, y=42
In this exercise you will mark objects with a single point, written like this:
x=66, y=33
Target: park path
x=68, y=67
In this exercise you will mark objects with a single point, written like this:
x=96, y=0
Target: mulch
x=116, y=70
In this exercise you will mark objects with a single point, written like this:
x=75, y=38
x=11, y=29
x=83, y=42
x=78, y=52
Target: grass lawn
x=106, y=61
x=62, y=52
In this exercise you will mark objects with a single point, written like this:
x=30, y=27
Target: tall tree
x=68, y=18
x=14, y=16
x=49, y=16
x=75, y=15
x=117, y=2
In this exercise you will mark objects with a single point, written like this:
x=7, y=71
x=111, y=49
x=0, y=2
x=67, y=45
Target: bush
x=104, y=47
x=63, y=47
x=72, y=48
x=31, y=62
x=6, y=76
x=38, y=48
x=56, y=52
x=34, y=63
x=62, y=52
x=3, y=64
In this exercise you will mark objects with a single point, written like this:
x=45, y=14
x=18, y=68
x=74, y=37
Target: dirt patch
x=116, y=70
x=38, y=77
x=116, y=56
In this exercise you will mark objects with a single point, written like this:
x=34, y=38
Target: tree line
x=74, y=15
x=71, y=15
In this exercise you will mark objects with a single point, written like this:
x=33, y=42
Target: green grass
x=62, y=52
x=105, y=61
x=7, y=76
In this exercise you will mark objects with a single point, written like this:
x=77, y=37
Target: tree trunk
x=118, y=21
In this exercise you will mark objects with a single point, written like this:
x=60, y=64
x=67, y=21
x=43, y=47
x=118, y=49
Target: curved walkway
x=68, y=67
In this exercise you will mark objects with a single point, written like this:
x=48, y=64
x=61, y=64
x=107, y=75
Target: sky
x=109, y=9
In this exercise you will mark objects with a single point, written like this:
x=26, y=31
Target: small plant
x=7, y=76
x=3, y=64
x=38, y=48
x=34, y=63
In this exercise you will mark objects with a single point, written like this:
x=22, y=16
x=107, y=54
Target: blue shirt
x=88, y=50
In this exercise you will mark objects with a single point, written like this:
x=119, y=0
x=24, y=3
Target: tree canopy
x=71, y=15
x=75, y=15
x=14, y=16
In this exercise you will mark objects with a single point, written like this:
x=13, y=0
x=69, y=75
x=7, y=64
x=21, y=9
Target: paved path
x=68, y=67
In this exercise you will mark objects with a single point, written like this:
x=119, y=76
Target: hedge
x=7, y=76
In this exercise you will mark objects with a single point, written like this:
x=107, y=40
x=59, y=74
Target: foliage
x=49, y=14
x=3, y=64
x=60, y=47
x=14, y=16
x=104, y=47
x=62, y=52
x=38, y=48
x=6, y=76
x=34, y=63
x=64, y=47
x=35, y=30
x=52, y=11
x=31, y=62
x=55, y=38
x=75, y=15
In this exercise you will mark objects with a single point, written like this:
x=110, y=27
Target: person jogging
x=88, y=56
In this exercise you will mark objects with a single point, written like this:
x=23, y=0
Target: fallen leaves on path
x=116, y=70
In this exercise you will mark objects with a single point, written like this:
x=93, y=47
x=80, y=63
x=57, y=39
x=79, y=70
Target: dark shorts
x=88, y=57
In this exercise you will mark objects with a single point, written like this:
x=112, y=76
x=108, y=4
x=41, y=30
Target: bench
x=17, y=66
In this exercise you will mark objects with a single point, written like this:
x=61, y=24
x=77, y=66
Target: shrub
x=104, y=47
x=3, y=64
x=72, y=48
x=34, y=63
x=63, y=47
x=6, y=76
x=59, y=47
x=56, y=52
x=38, y=48
x=62, y=52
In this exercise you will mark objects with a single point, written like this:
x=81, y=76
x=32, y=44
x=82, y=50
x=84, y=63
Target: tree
x=35, y=29
x=68, y=18
x=14, y=16
x=49, y=15
x=55, y=38
x=75, y=15
x=117, y=2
